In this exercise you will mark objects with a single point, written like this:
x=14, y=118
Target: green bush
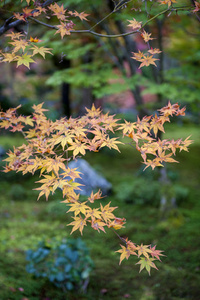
x=139, y=191
x=65, y=263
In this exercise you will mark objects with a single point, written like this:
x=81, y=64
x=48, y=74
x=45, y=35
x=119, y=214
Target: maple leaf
x=27, y=12
x=34, y=40
x=143, y=250
x=135, y=25
x=146, y=36
x=146, y=263
x=48, y=181
x=166, y=157
x=8, y=57
x=79, y=207
x=93, y=214
x=153, y=163
x=81, y=15
x=111, y=143
x=127, y=127
x=168, y=2
x=78, y=147
x=156, y=253
x=156, y=124
x=143, y=124
x=147, y=60
x=138, y=55
x=38, y=108
x=59, y=11
x=181, y=112
x=117, y=223
x=15, y=35
x=19, y=17
x=169, y=109
x=98, y=224
x=41, y=50
x=63, y=140
x=55, y=164
x=64, y=28
x=185, y=144
x=154, y=51
x=93, y=112
x=125, y=253
x=95, y=196
x=19, y=44
x=25, y=60
x=197, y=6
x=78, y=223
x=106, y=212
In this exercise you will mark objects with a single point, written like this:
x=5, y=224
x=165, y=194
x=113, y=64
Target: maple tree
x=51, y=145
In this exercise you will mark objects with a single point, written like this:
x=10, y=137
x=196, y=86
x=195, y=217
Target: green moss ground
x=24, y=221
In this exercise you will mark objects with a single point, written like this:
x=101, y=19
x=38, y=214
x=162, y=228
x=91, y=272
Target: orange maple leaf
x=147, y=60
x=146, y=36
x=168, y=2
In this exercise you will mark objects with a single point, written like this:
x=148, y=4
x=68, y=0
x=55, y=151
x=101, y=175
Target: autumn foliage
x=49, y=146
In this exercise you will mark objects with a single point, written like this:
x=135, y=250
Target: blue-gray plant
x=66, y=263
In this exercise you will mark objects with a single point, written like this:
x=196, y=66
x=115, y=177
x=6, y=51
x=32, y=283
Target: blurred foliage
x=65, y=263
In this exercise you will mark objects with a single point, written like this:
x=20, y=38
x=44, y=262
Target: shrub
x=65, y=263
x=139, y=191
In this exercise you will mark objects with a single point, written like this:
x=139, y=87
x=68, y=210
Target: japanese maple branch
x=111, y=35
x=6, y=26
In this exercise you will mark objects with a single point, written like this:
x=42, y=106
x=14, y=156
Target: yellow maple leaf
x=19, y=44
x=78, y=223
x=79, y=207
x=125, y=253
x=111, y=143
x=106, y=212
x=41, y=50
x=78, y=147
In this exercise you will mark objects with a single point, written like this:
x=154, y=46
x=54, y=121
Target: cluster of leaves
x=66, y=264
x=51, y=145
x=22, y=48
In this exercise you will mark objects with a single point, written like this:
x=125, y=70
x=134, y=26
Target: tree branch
x=6, y=26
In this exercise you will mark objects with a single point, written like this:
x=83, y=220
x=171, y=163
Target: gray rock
x=90, y=179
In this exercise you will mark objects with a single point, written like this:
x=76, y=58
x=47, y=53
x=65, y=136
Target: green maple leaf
x=146, y=263
x=25, y=60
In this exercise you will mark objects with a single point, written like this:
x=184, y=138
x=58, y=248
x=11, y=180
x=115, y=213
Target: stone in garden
x=91, y=180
